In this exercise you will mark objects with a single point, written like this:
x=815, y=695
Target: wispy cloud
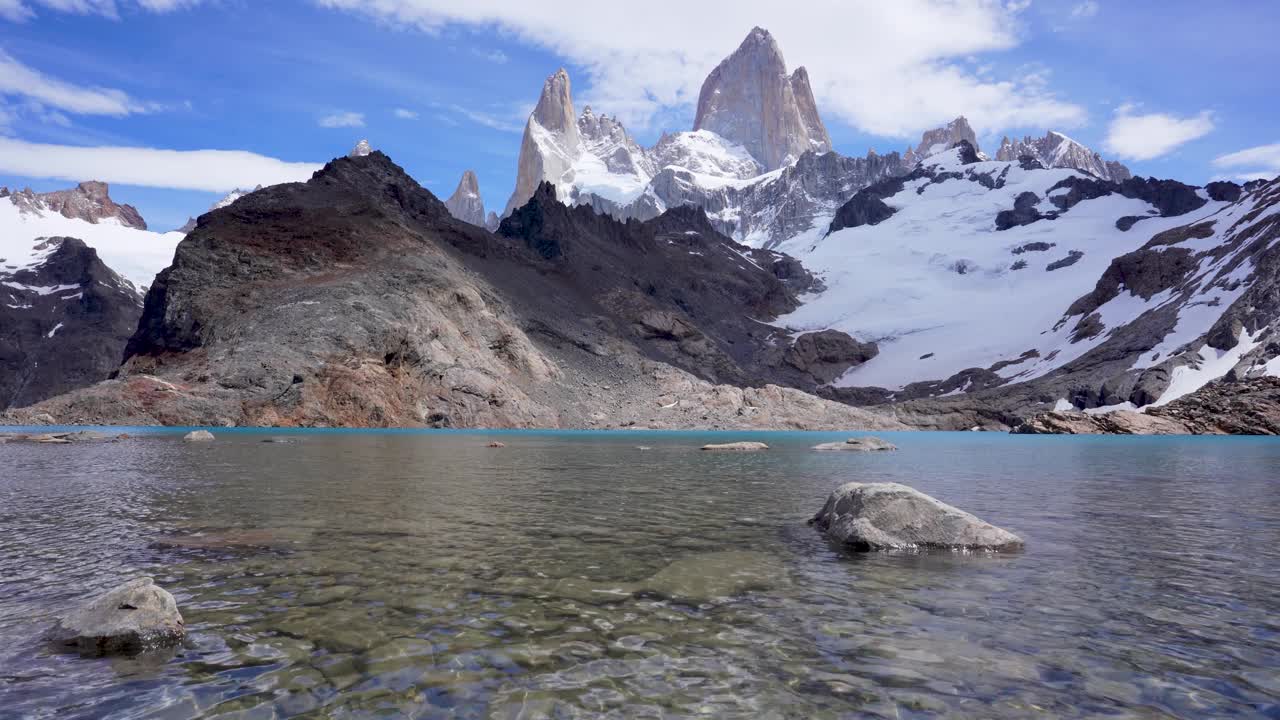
x=1152, y=135
x=493, y=56
x=210, y=170
x=23, y=10
x=1260, y=162
x=1085, y=9
x=19, y=80
x=512, y=122
x=342, y=120
x=404, y=114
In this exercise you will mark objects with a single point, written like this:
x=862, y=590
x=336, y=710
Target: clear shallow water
x=573, y=575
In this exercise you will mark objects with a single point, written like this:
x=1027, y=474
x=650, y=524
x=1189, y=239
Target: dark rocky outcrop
x=867, y=206
x=827, y=354
x=1228, y=407
x=1024, y=212
x=64, y=323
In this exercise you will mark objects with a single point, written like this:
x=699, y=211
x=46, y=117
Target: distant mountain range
x=724, y=277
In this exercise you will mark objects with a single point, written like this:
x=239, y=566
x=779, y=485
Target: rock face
x=64, y=322
x=890, y=516
x=465, y=203
x=750, y=100
x=551, y=142
x=89, y=201
x=943, y=138
x=133, y=617
x=827, y=354
x=361, y=149
x=1056, y=150
x=356, y=299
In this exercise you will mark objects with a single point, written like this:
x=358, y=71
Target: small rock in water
x=739, y=446
x=891, y=516
x=198, y=436
x=133, y=617
x=707, y=576
x=862, y=444
x=496, y=444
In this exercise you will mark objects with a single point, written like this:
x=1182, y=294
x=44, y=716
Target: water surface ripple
x=353, y=575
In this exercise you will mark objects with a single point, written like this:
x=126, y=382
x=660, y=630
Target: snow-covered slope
x=942, y=290
x=136, y=254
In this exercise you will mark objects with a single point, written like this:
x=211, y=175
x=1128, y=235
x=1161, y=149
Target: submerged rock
x=862, y=444
x=496, y=444
x=133, y=617
x=891, y=516
x=198, y=436
x=707, y=576
x=738, y=446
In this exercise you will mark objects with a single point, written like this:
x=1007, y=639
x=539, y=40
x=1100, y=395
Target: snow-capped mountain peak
x=465, y=203
x=1056, y=150
x=361, y=149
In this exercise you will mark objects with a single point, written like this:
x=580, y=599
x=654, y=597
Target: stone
x=737, y=446
x=862, y=444
x=496, y=444
x=709, y=576
x=892, y=516
x=136, y=616
x=198, y=436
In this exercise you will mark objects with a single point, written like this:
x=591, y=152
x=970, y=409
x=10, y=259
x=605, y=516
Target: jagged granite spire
x=465, y=203
x=551, y=140
x=749, y=99
x=360, y=150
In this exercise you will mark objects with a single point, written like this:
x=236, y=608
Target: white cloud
x=1255, y=163
x=1085, y=9
x=19, y=11
x=404, y=114
x=15, y=11
x=343, y=120
x=211, y=170
x=890, y=68
x=20, y=80
x=1146, y=137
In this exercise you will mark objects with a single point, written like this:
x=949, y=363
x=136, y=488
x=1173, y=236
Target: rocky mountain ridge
x=1056, y=150
x=89, y=201
x=399, y=314
x=465, y=203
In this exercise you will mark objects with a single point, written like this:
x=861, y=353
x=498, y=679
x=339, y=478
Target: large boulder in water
x=891, y=516
x=135, y=616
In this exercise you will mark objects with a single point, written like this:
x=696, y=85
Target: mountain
x=594, y=161
x=1056, y=150
x=361, y=149
x=64, y=320
x=749, y=100
x=26, y=221
x=995, y=290
x=357, y=299
x=465, y=203
x=941, y=139
x=89, y=201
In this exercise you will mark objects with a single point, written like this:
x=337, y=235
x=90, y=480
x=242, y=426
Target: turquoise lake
x=423, y=574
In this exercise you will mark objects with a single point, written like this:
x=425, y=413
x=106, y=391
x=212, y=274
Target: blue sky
x=1174, y=89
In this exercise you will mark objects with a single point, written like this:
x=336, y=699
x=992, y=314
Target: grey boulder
x=133, y=617
x=198, y=436
x=862, y=444
x=736, y=446
x=891, y=516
